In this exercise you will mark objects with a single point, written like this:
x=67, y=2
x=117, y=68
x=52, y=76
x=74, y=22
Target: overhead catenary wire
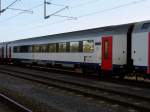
x=31, y=12
x=60, y=10
x=56, y=13
x=69, y=18
x=23, y=10
x=84, y=4
x=78, y=5
x=97, y=12
x=72, y=7
x=56, y=4
x=68, y=7
x=18, y=14
x=89, y=14
x=11, y=4
x=112, y=8
x=3, y=10
x=81, y=16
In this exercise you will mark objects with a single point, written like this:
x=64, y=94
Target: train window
x=35, y=48
x=88, y=46
x=15, y=49
x=24, y=49
x=18, y=49
x=30, y=49
x=43, y=48
x=106, y=47
x=57, y=47
x=68, y=47
x=74, y=46
x=52, y=47
x=146, y=26
x=62, y=47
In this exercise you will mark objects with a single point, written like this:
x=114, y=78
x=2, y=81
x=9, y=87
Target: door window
x=106, y=48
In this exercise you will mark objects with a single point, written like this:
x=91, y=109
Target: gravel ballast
x=42, y=98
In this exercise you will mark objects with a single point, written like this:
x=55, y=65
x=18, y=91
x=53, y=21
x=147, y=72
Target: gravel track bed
x=128, y=80
x=5, y=108
x=55, y=100
x=132, y=90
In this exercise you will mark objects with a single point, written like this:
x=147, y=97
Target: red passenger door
x=107, y=53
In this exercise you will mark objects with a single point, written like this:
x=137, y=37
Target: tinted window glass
x=15, y=49
x=24, y=49
x=36, y=48
x=88, y=46
x=62, y=47
x=52, y=47
x=106, y=47
x=68, y=47
x=74, y=46
x=43, y=48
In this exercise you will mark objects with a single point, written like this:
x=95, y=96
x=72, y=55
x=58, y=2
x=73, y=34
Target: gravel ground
x=50, y=99
x=5, y=108
x=112, y=86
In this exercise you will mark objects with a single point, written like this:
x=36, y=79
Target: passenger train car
x=5, y=53
x=112, y=50
x=141, y=47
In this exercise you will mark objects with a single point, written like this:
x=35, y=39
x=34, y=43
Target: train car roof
x=5, y=43
x=92, y=30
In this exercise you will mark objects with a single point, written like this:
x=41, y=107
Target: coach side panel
x=83, y=57
x=120, y=49
x=140, y=46
x=139, y=49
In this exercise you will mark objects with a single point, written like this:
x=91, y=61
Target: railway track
x=126, y=81
x=13, y=104
x=124, y=96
